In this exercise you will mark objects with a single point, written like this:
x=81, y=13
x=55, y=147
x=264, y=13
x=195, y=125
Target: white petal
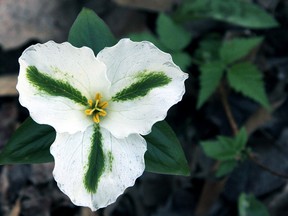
x=71, y=156
x=77, y=66
x=124, y=61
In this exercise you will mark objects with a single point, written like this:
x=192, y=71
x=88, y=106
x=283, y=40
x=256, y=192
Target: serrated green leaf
x=211, y=74
x=226, y=148
x=225, y=168
x=182, y=59
x=209, y=48
x=241, y=139
x=238, y=12
x=219, y=150
x=247, y=79
x=90, y=30
x=164, y=152
x=248, y=205
x=237, y=48
x=147, y=36
x=173, y=36
x=29, y=144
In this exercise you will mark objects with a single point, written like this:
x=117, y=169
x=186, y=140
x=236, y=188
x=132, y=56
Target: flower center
x=96, y=108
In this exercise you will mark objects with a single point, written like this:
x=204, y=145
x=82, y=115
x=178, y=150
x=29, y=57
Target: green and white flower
x=99, y=106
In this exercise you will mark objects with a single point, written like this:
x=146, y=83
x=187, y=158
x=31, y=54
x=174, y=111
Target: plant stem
x=210, y=193
x=213, y=188
x=254, y=159
x=225, y=103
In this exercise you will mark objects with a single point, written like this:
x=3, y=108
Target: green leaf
x=90, y=30
x=219, y=150
x=247, y=79
x=147, y=36
x=209, y=48
x=238, y=12
x=226, y=167
x=182, y=59
x=226, y=148
x=248, y=205
x=237, y=48
x=29, y=144
x=211, y=74
x=173, y=36
x=241, y=139
x=164, y=152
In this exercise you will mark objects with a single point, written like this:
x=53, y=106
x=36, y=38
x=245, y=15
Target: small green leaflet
x=208, y=49
x=211, y=74
x=91, y=31
x=242, y=77
x=248, y=205
x=29, y=144
x=238, y=12
x=182, y=59
x=247, y=79
x=225, y=168
x=222, y=149
x=172, y=35
x=226, y=148
x=147, y=36
x=172, y=38
x=241, y=139
x=237, y=48
x=164, y=152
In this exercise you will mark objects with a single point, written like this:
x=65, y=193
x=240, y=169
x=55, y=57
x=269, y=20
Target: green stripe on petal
x=96, y=162
x=145, y=82
x=110, y=158
x=54, y=87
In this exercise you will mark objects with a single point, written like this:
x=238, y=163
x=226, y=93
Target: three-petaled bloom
x=98, y=106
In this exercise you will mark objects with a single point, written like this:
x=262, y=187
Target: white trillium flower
x=98, y=106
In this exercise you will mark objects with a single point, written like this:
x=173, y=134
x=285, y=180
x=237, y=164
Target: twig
x=224, y=100
x=212, y=189
x=210, y=193
x=254, y=159
x=261, y=116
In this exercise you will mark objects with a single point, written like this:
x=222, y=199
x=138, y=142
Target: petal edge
x=124, y=164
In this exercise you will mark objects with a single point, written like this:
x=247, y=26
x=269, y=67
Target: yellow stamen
x=96, y=108
x=102, y=113
x=90, y=102
x=89, y=111
x=103, y=104
x=96, y=118
x=98, y=97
